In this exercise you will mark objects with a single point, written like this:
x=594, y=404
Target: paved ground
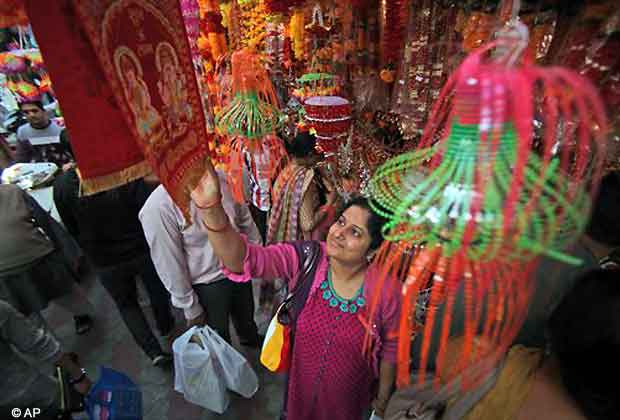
x=110, y=344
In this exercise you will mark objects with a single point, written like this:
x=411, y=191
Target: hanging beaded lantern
x=505, y=172
x=480, y=167
x=253, y=112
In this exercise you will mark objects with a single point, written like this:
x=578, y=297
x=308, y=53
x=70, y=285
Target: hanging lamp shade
x=249, y=120
x=505, y=172
x=511, y=153
x=253, y=111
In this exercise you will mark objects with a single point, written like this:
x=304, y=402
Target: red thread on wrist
x=208, y=206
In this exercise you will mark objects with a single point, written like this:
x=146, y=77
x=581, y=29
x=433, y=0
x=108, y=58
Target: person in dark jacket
x=106, y=225
x=38, y=260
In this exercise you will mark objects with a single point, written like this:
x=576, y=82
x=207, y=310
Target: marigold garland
x=296, y=30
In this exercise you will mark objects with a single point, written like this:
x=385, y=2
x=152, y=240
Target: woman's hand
x=207, y=192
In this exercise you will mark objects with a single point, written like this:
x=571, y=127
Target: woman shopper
x=330, y=377
x=298, y=195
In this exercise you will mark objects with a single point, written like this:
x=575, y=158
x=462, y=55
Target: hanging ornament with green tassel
x=253, y=112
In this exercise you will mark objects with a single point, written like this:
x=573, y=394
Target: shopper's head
x=585, y=338
x=35, y=113
x=356, y=234
x=604, y=224
x=302, y=148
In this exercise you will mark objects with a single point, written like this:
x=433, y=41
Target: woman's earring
x=369, y=257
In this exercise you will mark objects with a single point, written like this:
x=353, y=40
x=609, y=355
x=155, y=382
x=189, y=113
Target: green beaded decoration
x=432, y=207
x=247, y=116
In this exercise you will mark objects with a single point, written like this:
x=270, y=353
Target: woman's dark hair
x=38, y=104
x=302, y=145
x=585, y=338
x=604, y=226
x=375, y=221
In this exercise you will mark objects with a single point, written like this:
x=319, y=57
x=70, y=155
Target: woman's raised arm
x=225, y=241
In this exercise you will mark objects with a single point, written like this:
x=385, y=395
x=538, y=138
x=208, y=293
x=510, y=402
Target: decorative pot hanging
x=330, y=116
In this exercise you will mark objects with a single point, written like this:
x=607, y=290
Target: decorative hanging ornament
x=11, y=63
x=317, y=27
x=253, y=112
x=330, y=116
x=213, y=28
x=24, y=90
x=281, y=6
x=493, y=185
x=35, y=59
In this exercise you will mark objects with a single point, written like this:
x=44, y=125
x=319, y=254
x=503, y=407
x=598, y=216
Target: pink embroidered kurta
x=330, y=376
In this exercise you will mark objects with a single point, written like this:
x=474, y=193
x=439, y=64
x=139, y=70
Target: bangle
x=79, y=379
x=208, y=206
x=217, y=230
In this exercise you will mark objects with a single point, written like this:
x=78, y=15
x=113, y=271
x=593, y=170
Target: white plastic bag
x=196, y=375
x=237, y=373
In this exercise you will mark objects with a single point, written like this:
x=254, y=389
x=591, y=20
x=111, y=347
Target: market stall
x=479, y=129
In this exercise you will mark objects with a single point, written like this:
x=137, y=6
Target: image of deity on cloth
x=147, y=120
x=172, y=90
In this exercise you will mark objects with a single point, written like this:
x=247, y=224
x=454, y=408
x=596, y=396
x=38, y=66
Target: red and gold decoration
x=150, y=70
x=212, y=28
x=477, y=30
x=394, y=16
x=12, y=13
x=330, y=116
x=106, y=151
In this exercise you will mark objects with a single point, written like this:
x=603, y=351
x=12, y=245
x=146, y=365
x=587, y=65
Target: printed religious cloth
x=143, y=49
x=103, y=146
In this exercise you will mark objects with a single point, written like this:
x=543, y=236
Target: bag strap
x=309, y=253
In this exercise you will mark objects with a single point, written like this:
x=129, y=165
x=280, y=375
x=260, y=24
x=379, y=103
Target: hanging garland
x=281, y=6
x=296, y=31
x=393, y=35
x=212, y=28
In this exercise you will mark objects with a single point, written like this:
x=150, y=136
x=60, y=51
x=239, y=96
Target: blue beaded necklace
x=345, y=305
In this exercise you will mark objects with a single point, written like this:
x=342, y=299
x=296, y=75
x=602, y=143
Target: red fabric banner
x=143, y=49
x=104, y=147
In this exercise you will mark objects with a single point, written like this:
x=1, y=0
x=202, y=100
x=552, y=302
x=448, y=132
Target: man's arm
x=164, y=237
